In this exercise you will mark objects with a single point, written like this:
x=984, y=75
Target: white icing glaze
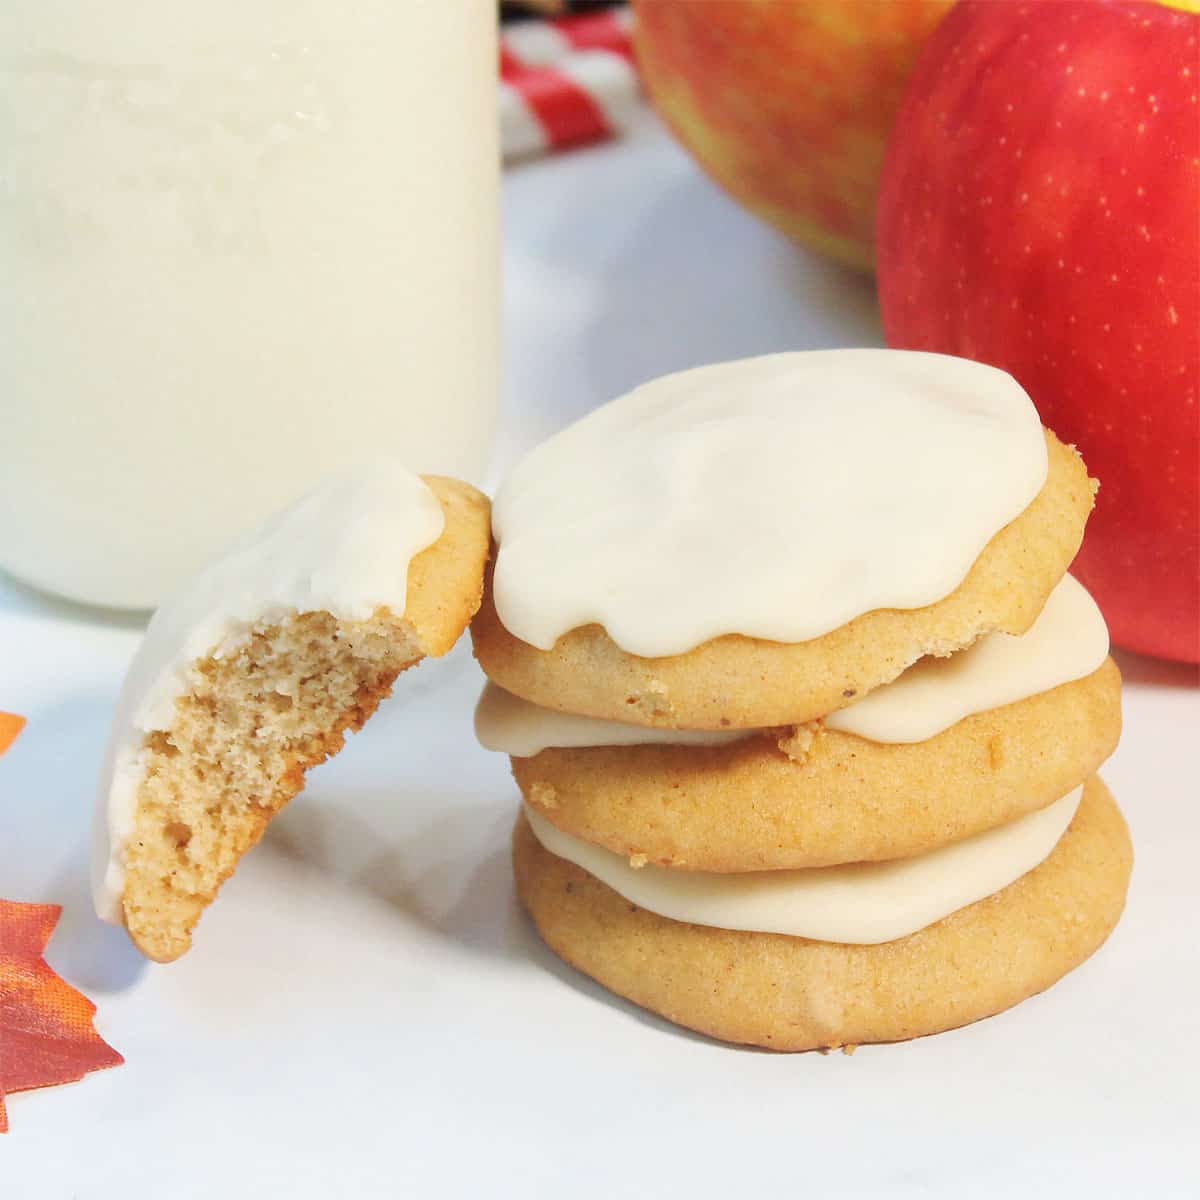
x=860, y=903
x=345, y=548
x=1068, y=641
x=776, y=497
x=507, y=723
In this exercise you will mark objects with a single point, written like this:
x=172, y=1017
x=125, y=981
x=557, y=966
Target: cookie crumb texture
x=237, y=752
x=790, y=993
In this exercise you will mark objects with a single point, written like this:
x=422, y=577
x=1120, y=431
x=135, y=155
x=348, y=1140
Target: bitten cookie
x=791, y=993
x=255, y=671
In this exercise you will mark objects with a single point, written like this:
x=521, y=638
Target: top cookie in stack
x=699, y=595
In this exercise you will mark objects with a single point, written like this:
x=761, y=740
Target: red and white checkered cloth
x=566, y=81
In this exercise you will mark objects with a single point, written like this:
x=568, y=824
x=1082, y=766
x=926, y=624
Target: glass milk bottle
x=242, y=243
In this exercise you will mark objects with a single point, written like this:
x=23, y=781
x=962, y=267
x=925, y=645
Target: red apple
x=1040, y=211
x=787, y=103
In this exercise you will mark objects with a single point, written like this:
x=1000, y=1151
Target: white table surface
x=366, y=1013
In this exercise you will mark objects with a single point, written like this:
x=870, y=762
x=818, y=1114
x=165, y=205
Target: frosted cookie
x=788, y=992
x=255, y=670
x=759, y=543
x=951, y=747
x=825, y=797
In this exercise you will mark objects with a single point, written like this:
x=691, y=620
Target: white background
x=366, y=1013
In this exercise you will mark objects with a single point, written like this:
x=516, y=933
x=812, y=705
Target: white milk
x=242, y=243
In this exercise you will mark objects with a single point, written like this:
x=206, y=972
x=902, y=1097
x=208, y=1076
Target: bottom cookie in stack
x=786, y=992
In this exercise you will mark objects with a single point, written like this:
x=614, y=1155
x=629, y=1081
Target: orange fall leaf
x=46, y=1032
x=10, y=726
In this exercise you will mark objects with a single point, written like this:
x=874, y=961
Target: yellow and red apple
x=787, y=104
x=1040, y=211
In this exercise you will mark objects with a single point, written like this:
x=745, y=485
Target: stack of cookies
x=804, y=708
